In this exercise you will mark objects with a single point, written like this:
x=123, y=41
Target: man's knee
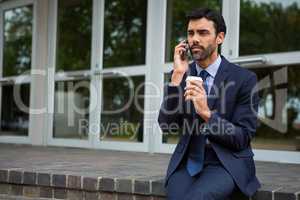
x=178, y=184
x=206, y=192
x=201, y=195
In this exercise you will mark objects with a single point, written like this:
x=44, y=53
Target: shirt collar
x=212, y=68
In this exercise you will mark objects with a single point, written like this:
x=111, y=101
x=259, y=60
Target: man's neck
x=208, y=61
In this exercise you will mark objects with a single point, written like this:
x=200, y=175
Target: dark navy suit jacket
x=230, y=129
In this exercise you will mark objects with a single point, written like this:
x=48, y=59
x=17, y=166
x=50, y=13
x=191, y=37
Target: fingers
x=180, y=47
x=191, y=96
x=196, y=83
x=179, y=50
x=194, y=88
x=194, y=92
x=182, y=44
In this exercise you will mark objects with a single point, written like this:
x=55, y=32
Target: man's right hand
x=180, y=66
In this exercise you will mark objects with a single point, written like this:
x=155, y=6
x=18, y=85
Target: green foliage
x=17, y=41
x=124, y=32
x=269, y=27
x=74, y=35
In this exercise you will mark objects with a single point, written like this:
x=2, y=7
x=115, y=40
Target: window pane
x=14, y=110
x=71, y=109
x=176, y=21
x=74, y=33
x=17, y=40
x=124, y=32
x=268, y=26
x=269, y=133
x=122, y=110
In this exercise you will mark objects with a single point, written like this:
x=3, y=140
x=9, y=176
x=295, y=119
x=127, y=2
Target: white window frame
x=25, y=79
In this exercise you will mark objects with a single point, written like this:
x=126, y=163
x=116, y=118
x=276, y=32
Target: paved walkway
x=84, y=162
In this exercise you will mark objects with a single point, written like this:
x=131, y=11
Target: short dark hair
x=212, y=15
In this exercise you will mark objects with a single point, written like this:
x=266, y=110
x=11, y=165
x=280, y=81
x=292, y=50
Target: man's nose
x=195, y=39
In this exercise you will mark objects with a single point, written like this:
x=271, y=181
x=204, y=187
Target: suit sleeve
x=237, y=133
x=170, y=113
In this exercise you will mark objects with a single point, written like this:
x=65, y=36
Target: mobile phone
x=185, y=53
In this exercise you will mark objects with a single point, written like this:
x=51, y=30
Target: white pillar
x=154, y=75
x=38, y=97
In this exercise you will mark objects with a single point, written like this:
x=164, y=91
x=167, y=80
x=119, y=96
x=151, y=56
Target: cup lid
x=197, y=78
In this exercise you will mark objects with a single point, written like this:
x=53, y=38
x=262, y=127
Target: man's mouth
x=197, y=48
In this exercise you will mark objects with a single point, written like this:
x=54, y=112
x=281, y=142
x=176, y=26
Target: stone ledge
x=62, y=186
x=59, y=184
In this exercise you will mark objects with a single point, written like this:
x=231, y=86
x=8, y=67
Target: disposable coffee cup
x=189, y=78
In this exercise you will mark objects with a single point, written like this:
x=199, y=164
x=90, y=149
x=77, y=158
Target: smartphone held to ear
x=184, y=54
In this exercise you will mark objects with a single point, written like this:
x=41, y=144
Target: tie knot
x=204, y=74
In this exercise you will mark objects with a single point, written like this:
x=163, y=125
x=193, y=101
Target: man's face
x=202, y=38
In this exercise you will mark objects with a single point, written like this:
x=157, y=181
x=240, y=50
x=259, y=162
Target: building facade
x=90, y=73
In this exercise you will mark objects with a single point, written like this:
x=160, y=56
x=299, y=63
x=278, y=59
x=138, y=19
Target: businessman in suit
x=216, y=117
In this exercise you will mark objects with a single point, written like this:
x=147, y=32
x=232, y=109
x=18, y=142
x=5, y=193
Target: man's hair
x=209, y=14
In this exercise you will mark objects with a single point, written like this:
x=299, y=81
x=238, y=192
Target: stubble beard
x=204, y=54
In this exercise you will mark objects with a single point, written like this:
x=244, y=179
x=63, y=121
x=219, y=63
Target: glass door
x=69, y=69
x=17, y=25
x=118, y=122
x=98, y=67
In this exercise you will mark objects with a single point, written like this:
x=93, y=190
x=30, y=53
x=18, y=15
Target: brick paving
x=84, y=162
x=118, y=164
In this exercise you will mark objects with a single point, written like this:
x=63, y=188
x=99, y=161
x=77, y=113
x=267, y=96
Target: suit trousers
x=212, y=183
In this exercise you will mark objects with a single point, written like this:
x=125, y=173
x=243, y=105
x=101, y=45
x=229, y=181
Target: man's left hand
x=195, y=91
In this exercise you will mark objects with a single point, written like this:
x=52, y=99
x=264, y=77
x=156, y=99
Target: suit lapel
x=220, y=77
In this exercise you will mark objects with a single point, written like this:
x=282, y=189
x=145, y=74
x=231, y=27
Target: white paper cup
x=197, y=78
x=189, y=78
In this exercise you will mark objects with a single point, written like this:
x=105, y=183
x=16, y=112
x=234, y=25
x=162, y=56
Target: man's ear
x=220, y=38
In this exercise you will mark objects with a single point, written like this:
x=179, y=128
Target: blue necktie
x=204, y=74
x=197, y=144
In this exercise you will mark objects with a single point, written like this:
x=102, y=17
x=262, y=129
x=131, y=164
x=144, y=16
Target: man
x=216, y=117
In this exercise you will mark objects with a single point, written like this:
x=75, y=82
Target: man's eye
x=203, y=32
